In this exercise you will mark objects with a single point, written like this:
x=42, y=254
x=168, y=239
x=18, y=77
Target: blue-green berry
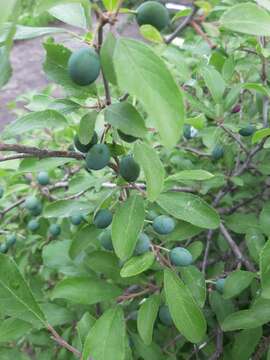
x=103, y=218
x=180, y=256
x=33, y=225
x=220, y=285
x=11, y=240
x=105, y=239
x=76, y=219
x=98, y=157
x=37, y=210
x=217, y=153
x=163, y=225
x=143, y=244
x=55, y=230
x=165, y=316
x=3, y=248
x=31, y=203
x=43, y=178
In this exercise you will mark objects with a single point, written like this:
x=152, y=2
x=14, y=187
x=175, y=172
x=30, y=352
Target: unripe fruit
x=1, y=191
x=165, y=316
x=105, y=239
x=103, y=218
x=143, y=244
x=33, y=225
x=55, y=229
x=3, y=248
x=163, y=225
x=85, y=148
x=187, y=131
x=31, y=203
x=218, y=152
x=236, y=109
x=98, y=157
x=180, y=256
x=43, y=178
x=151, y=215
x=129, y=169
x=37, y=210
x=76, y=219
x=220, y=285
x=153, y=13
x=247, y=131
x=11, y=240
x=84, y=66
x=126, y=137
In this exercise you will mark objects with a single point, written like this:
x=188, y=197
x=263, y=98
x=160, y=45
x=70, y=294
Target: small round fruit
x=33, y=225
x=84, y=66
x=151, y=215
x=220, y=285
x=105, y=239
x=180, y=256
x=187, y=131
x=153, y=13
x=76, y=219
x=11, y=240
x=165, y=316
x=163, y=225
x=31, y=203
x=129, y=169
x=85, y=148
x=55, y=229
x=236, y=109
x=1, y=191
x=218, y=152
x=98, y=157
x=103, y=218
x=43, y=178
x=37, y=210
x=3, y=248
x=143, y=244
x=247, y=131
x=126, y=137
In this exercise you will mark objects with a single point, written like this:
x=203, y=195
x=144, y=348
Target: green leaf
x=30, y=32
x=195, y=281
x=110, y=5
x=83, y=239
x=50, y=119
x=220, y=306
x=265, y=270
x=245, y=343
x=243, y=319
x=125, y=117
x=255, y=242
x=87, y=127
x=152, y=167
x=236, y=282
x=257, y=87
x=181, y=13
x=65, y=208
x=196, y=249
x=35, y=165
x=260, y=135
x=214, y=82
x=164, y=104
x=16, y=298
x=126, y=226
x=104, y=262
x=150, y=33
x=190, y=175
x=147, y=315
x=138, y=264
x=85, y=290
x=106, y=58
x=264, y=218
x=6, y=10
x=190, y=208
x=87, y=321
x=247, y=18
x=107, y=338
x=186, y=314
x=12, y=329
x=147, y=352
x=183, y=231
x=5, y=67
x=73, y=14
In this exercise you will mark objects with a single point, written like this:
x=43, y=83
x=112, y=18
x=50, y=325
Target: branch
x=219, y=345
x=234, y=137
x=181, y=26
x=235, y=249
x=264, y=81
x=6, y=210
x=207, y=248
x=60, y=341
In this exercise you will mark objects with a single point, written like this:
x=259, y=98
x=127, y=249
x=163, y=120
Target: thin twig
x=219, y=345
x=60, y=341
x=207, y=248
x=234, y=137
x=11, y=207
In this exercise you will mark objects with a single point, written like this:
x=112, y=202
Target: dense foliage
x=134, y=208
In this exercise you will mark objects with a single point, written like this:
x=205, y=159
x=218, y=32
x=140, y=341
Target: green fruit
x=218, y=152
x=1, y=191
x=105, y=239
x=165, y=316
x=151, y=215
x=220, y=285
x=37, y=210
x=84, y=66
x=187, y=131
x=163, y=225
x=3, y=248
x=33, y=225
x=103, y=218
x=85, y=148
x=126, y=137
x=31, y=203
x=11, y=240
x=76, y=219
x=143, y=244
x=98, y=157
x=43, y=178
x=180, y=256
x=247, y=131
x=129, y=169
x=153, y=13
x=55, y=229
